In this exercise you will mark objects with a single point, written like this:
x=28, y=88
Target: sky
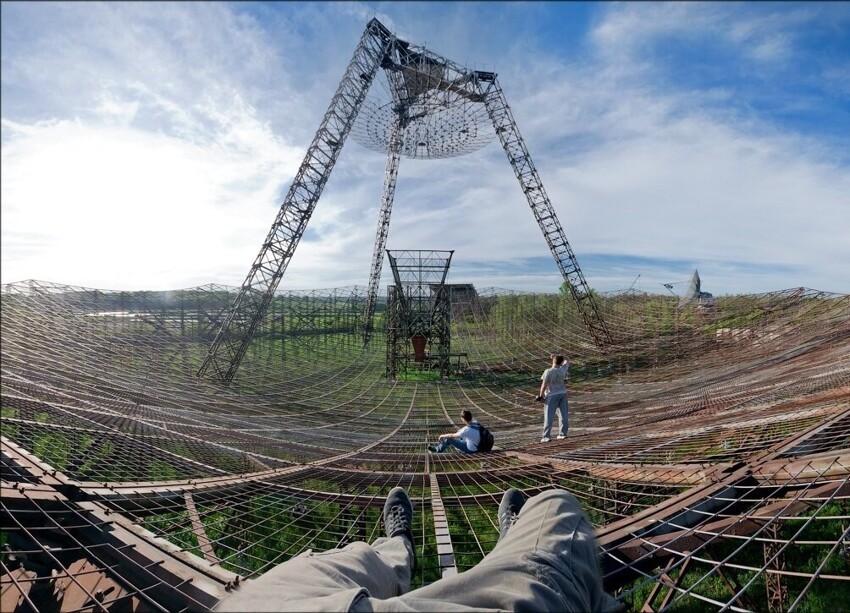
x=149, y=145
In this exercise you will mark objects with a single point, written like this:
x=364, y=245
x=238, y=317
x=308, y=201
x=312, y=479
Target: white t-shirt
x=469, y=435
x=555, y=378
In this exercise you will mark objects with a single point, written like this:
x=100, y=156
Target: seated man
x=544, y=560
x=466, y=439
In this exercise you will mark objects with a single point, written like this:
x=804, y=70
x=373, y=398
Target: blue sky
x=147, y=146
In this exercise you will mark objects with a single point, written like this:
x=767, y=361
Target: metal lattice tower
x=428, y=107
x=418, y=310
x=246, y=312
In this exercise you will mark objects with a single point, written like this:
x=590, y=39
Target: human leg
x=451, y=442
x=563, y=417
x=549, y=415
x=546, y=562
x=339, y=579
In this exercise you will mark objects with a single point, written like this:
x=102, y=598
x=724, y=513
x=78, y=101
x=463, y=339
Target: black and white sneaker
x=398, y=518
x=509, y=510
x=398, y=514
x=432, y=448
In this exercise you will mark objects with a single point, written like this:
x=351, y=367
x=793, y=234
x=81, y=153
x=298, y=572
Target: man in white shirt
x=466, y=439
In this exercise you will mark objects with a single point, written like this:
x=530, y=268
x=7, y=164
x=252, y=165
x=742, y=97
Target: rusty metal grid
x=710, y=450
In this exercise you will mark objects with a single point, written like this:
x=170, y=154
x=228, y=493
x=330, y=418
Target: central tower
x=418, y=311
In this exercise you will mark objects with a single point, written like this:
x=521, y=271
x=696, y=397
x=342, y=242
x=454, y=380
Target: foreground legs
x=340, y=579
x=545, y=561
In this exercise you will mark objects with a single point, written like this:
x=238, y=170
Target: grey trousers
x=546, y=562
x=556, y=402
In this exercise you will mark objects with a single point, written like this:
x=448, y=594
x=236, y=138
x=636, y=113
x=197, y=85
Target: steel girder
x=397, y=330
x=247, y=311
x=541, y=206
x=441, y=328
x=393, y=159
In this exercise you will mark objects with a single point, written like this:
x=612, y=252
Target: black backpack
x=487, y=438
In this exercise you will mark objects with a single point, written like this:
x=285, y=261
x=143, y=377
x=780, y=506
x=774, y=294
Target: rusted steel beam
x=85, y=586
x=672, y=474
x=200, y=531
x=842, y=393
x=15, y=587
x=774, y=559
x=29, y=464
x=174, y=578
x=673, y=585
x=18, y=490
x=445, y=551
x=809, y=468
x=664, y=580
x=732, y=584
x=154, y=489
x=622, y=531
x=689, y=539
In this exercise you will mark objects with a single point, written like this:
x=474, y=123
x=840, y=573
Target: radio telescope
x=425, y=107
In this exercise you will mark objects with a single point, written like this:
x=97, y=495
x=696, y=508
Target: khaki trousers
x=546, y=562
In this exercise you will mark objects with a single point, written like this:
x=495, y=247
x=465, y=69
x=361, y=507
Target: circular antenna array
x=425, y=110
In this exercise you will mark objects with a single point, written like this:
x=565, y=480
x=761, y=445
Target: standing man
x=553, y=388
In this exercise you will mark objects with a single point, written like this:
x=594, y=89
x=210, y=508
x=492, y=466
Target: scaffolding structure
x=418, y=312
x=431, y=108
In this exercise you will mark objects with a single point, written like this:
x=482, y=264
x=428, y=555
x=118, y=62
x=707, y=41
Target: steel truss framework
x=418, y=306
x=436, y=108
x=712, y=456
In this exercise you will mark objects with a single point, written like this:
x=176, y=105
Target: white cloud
x=157, y=159
x=656, y=172
x=112, y=205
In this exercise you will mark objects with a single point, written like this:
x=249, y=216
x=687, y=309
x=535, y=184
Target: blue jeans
x=556, y=402
x=457, y=443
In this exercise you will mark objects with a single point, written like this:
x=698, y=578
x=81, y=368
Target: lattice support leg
x=774, y=560
x=247, y=311
x=390, y=178
x=541, y=206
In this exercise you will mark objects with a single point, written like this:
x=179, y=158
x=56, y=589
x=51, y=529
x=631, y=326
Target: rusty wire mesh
x=710, y=448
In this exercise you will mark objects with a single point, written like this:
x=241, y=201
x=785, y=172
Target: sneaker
x=432, y=448
x=561, y=436
x=398, y=514
x=545, y=439
x=398, y=517
x=509, y=509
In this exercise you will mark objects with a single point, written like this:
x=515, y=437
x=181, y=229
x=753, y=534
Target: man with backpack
x=471, y=438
